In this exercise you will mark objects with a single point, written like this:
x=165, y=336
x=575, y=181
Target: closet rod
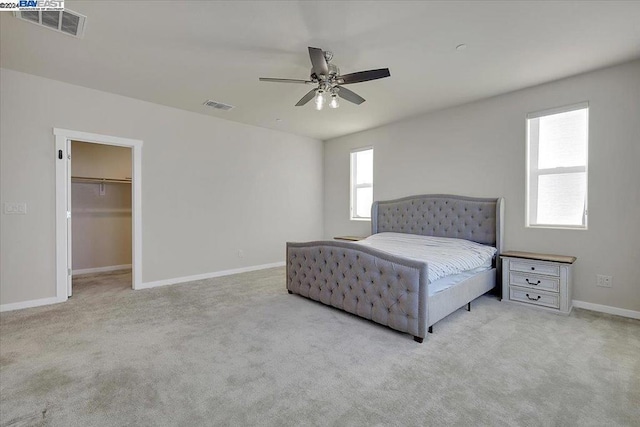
x=99, y=180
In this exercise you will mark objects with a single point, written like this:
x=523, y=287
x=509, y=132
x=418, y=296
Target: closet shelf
x=100, y=180
x=92, y=211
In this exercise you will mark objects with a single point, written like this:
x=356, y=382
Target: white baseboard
x=31, y=303
x=54, y=300
x=607, y=309
x=176, y=280
x=101, y=269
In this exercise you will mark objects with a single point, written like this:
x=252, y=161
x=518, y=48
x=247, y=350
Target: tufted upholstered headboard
x=442, y=215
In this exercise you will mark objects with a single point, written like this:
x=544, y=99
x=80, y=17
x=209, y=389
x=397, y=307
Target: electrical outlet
x=240, y=253
x=11, y=208
x=604, y=281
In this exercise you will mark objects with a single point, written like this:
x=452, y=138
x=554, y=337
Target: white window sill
x=559, y=227
x=361, y=219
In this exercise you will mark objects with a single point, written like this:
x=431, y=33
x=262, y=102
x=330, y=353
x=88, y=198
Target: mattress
x=444, y=256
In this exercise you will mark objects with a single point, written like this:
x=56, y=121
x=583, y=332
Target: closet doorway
x=101, y=202
x=98, y=197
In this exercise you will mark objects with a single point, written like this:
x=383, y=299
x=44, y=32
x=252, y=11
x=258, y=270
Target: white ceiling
x=182, y=53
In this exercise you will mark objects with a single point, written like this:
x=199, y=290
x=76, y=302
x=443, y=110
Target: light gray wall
x=209, y=186
x=101, y=223
x=100, y=161
x=478, y=149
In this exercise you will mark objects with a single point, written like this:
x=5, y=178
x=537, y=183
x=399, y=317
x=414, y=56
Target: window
x=557, y=142
x=361, y=183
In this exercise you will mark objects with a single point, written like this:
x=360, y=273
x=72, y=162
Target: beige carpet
x=241, y=351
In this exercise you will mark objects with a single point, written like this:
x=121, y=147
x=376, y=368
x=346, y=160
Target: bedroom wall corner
x=210, y=187
x=478, y=149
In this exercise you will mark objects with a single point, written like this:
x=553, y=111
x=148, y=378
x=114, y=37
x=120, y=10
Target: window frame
x=533, y=173
x=353, y=185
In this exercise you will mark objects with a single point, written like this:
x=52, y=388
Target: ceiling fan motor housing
x=333, y=72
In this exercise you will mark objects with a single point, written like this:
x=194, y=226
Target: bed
x=393, y=289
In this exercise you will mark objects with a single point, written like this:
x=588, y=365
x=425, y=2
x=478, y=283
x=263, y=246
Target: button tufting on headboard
x=454, y=216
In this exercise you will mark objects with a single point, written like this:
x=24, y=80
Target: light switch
x=13, y=208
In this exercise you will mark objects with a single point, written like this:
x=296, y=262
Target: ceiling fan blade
x=364, y=76
x=269, y=79
x=306, y=98
x=318, y=61
x=350, y=96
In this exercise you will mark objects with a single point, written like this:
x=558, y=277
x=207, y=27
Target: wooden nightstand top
x=540, y=257
x=350, y=238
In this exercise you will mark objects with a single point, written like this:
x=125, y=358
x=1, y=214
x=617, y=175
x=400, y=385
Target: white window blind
x=361, y=183
x=557, y=145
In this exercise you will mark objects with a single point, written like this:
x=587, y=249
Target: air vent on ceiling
x=218, y=105
x=64, y=21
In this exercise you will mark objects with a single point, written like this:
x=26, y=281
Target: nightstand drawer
x=530, y=296
x=535, y=282
x=535, y=267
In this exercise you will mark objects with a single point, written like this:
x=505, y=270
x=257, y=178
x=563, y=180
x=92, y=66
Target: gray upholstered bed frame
x=391, y=290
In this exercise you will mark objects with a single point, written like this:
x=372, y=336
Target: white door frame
x=63, y=196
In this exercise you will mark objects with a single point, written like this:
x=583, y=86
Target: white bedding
x=444, y=256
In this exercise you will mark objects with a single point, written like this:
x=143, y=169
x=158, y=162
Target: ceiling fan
x=329, y=81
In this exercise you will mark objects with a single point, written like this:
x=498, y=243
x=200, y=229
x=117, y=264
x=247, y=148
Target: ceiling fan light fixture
x=334, y=101
x=320, y=99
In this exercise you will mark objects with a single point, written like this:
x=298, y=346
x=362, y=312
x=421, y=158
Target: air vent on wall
x=218, y=105
x=64, y=21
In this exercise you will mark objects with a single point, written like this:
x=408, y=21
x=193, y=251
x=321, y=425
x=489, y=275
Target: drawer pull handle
x=534, y=299
x=531, y=283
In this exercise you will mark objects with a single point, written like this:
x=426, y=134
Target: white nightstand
x=539, y=280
